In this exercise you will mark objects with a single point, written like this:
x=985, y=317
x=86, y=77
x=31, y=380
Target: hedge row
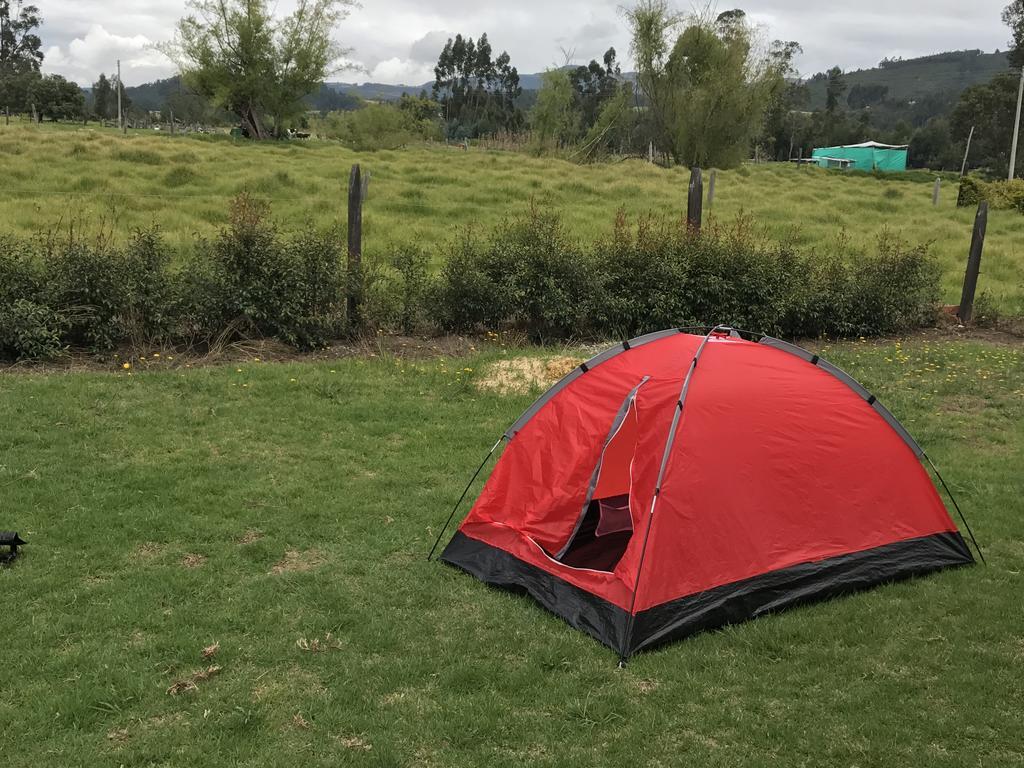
x=1001, y=194
x=528, y=274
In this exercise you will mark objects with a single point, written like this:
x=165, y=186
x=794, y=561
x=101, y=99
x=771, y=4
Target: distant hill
x=945, y=74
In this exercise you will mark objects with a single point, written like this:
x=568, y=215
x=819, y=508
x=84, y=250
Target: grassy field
x=60, y=174
x=283, y=512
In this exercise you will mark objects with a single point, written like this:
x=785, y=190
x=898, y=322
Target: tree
x=20, y=54
x=834, y=89
x=57, y=99
x=594, y=84
x=787, y=122
x=237, y=55
x=1013, y=17
x=707, y=86
x=931, y=147
x=989, y=107
x=103, y=100
x=19, y=44
x=477, y=94
x=554, y=118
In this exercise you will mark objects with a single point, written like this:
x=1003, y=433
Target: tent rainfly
x=677, y=483
x=869, y=156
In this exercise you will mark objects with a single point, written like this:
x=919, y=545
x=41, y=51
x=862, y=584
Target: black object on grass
x=12, y=541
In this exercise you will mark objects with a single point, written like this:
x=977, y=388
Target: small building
x=869, y=156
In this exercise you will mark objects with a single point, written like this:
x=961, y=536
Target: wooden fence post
x=355, y=248
x=694, y=200
x=711, y=188
x=973, y=264
x=935, y=191
x=650, y=153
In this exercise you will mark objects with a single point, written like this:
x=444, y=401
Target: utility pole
x=963, y=168
x=120, y=117
x=1016, y=124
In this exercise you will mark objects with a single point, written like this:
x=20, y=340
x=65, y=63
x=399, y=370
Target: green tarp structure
x=869, y=156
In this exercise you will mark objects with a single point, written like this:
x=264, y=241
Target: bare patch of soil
x=191, y=683
x=193, y=560
x=354, y=742
x=148, y=550
x=521, y=375
x=250, y=536
x=297, y=562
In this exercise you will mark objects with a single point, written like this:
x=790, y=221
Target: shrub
x=526, y=275
x=410, y=265
x=30, y=331
x=376, y=126
x=252, y=280
x=91, y=286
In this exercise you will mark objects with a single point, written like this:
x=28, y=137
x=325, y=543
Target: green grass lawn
x=284, y=511
x=95, y=177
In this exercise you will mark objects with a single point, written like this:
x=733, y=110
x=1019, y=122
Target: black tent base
x=713, y=608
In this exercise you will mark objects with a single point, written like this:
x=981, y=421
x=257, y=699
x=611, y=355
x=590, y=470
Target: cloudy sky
x=397, y=41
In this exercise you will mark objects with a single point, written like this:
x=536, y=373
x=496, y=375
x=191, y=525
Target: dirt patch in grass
x=148, y=550
x=646, y=686
x=191, y=683
x=963, y=403
x=297, y=562
x=521, y=375
x=250, y=536
x=354, y=742
x=193, y=560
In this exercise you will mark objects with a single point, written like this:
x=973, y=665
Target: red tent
x=676, y=483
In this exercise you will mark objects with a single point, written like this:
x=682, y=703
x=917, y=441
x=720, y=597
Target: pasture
x=94, y=179
x=277, y=516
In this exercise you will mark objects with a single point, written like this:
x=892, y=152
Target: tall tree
x=594, y=85
x=20, y=53
x=1013, y=17
x=707, y=86
x=20, y=46
x=239, y=56
x=554, y=118
x=477, y=94
x=835, y=86
x=989, y=107
x=102, y=98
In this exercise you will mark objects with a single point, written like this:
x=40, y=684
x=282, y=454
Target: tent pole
x=959, y=511
x=627, y=649
x=463, y=496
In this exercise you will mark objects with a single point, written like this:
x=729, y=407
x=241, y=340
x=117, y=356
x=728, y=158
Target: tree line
x=707, y=90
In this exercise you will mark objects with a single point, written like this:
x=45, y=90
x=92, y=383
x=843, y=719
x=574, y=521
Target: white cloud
x=98, y=50
x=404, y=71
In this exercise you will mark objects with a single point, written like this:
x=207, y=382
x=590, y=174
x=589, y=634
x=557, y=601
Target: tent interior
x=603, y=534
